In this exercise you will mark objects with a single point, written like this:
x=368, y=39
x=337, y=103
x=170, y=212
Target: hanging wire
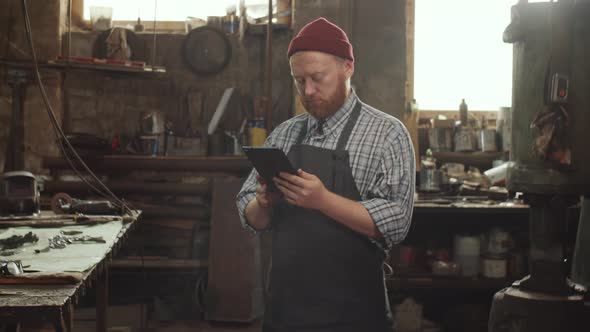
x=61, y=137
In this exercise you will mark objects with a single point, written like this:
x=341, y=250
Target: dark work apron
x=324, y=276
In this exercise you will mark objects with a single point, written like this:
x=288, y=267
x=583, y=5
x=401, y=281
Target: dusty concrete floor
x=172, y=326
x=204, y=327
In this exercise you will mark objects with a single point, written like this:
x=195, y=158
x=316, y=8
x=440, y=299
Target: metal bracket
x=16, y=76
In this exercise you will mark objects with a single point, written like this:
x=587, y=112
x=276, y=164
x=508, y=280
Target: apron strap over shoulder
x=302, y=133
x=344, y=135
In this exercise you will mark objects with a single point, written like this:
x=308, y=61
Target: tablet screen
x=269, y=162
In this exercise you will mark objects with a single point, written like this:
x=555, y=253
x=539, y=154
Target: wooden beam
x=102, y=302
x=411, y=119
x=77, y=13
x=159, y=263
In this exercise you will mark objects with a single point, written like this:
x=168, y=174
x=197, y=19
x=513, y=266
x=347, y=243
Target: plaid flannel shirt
x=381, y=157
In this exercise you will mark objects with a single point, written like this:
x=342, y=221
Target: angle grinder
x=62, y=203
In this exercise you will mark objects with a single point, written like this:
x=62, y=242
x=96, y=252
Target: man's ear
x=348, y=68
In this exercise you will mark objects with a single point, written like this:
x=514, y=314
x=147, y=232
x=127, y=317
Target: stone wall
x=109, y=104
x=46, y=25
x=377, y=31
x=379, y=35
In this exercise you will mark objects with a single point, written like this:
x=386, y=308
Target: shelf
x=147, y=70
x=127, y=187
x=156, y=70
x=463, y=208
x=260, y=28
x=482, y=160
x=430, y=282
x=158, y=163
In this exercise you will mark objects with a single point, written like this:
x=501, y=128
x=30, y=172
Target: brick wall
x=46, y=28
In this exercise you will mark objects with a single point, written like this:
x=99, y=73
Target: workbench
x=49, y=296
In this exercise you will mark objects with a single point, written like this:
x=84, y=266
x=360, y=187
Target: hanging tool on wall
x=206, y=50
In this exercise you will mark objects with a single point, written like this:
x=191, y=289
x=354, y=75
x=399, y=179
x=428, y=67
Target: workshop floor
x=204, y=327
x=175, y=326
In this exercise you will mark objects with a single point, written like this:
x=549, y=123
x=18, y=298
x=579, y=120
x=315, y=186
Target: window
x=167, y=10
x=459, y=53
x=174, y=10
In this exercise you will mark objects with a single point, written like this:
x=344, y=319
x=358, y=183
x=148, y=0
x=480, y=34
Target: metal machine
x=19, y=194
x=551, y=127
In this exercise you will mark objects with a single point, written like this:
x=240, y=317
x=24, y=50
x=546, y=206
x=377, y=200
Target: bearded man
x=352, y=198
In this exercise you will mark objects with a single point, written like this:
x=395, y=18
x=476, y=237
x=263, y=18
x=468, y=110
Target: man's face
x=322, y=81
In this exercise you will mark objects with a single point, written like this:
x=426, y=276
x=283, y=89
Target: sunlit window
x=459, y=53
x=168, y=10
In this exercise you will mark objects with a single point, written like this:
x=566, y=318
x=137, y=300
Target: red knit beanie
x=323, y=36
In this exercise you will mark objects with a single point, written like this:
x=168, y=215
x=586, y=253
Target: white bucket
x=466, y=253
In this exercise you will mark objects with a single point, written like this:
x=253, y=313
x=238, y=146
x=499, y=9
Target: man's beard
x=329, y=106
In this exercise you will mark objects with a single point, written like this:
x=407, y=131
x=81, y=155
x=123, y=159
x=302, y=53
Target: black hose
x=60, y=135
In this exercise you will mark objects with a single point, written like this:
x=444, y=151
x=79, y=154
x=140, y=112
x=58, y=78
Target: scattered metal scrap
x=11, y=268
x=9, y=252
x=61, y=241
x=38, y=251
x=88, y=239
x=16, y=241
x=70, y=233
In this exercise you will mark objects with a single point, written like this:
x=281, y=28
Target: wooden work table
x=124, y=163
x=50, y=297
x=469, y=208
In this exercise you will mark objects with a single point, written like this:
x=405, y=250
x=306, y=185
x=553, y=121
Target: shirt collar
x=336, y=120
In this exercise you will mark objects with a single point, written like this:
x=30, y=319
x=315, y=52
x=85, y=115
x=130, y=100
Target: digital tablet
x=269, y=162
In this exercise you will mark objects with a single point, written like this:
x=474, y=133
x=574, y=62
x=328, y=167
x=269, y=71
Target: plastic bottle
x=412, y=106
x=257, y=132
x=463, y=113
